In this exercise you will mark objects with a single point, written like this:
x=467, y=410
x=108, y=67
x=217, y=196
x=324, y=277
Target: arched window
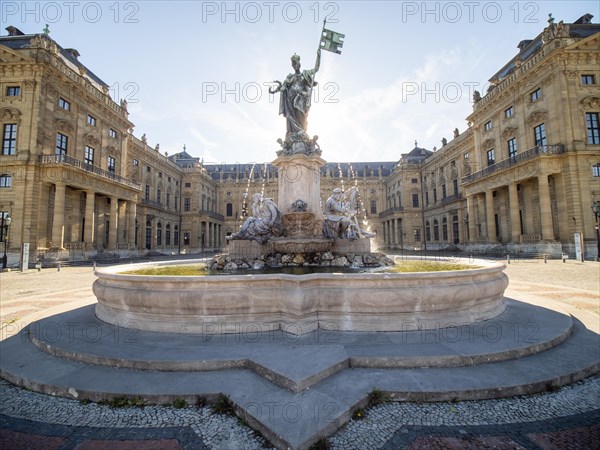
x=5, y=181
x=427, y=231
x=168, y=235
x=176, y=235
x=436, y=230
x=148, y=235
x=158, y=234
x=455, y=238
x=445, y=229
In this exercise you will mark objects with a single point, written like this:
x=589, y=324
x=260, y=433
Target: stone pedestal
x=242, y=249
x=358, y=246
x=300, y=179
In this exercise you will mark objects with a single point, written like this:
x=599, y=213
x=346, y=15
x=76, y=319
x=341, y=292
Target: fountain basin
x=298, y=304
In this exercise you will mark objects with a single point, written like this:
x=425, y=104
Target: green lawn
x=427, y=266
x=187, y=270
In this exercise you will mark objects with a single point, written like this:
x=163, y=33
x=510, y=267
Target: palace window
x=434, y=196
x=588, y=79
x=455, y=185
x=187, y=185
x=417, y=235
x=136, y=162
x=426, y=198
x=427, y=232
x=176, y=203
x=158, y=195
x=147, y=193
x=488, y=125
x=62, y=143
x=229, y=208
x=596, y=170
x=414, y=180
x=176, y=235
x=9, y=139
x=186, y=204
x=443, y=191
x=466, y=156
x=539, y=134
x=186, y=238
x=5, y=181
x=13, y=91
x=148, y=235
x=88, y=157
x=535, y=95
x=64, y=104
x=373, y=206
x=444, y=229
x=436, y=230
x=593, y=130
x=490, y=157
x=168, y=234
x=111, y=164
x=415, y=200
x=158, y=234
x=112, y=133
x=512, y=148
x=168, y=202
x=508, y=112
x=91, y=120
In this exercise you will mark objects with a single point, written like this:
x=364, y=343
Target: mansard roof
x=16, y=41
x=581, y=28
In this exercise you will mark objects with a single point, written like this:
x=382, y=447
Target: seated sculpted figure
x=264, y=222
x=336, y=221
x=340, y=216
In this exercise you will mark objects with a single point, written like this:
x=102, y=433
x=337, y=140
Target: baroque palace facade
x=78, y=184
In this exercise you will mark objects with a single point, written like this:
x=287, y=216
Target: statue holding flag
x=295, y=98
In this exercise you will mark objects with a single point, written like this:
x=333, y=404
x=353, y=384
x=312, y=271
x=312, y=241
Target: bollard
x=58, y=267
x=564, y=258
x=94, y=266
x=545, y=259
x=508, y=259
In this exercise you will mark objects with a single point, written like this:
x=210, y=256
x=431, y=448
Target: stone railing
x=69, y=161
x=212, y=214
x=390, y=211
x=528, y=155
x=152, y=203
x=528, y=238
x=451, y=198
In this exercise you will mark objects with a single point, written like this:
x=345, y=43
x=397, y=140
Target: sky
x=196, y=74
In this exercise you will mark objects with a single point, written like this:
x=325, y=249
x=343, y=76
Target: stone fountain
x=299, y=232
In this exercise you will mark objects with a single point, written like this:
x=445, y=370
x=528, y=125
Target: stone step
x=281, y=358
x=295, y=420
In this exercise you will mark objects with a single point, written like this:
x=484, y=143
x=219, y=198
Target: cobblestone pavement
x=565, y=419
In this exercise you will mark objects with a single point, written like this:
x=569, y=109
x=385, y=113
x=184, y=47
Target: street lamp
x=596, y=209
x=5, y=221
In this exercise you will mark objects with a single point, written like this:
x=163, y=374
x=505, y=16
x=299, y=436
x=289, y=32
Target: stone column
x=90, y=218
x=58, y=222
x=394, y=237
x=515, y=222
x=471, y=213
x=113, y=229
x=489, y=215
x=545, y=208
x=131, y=211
